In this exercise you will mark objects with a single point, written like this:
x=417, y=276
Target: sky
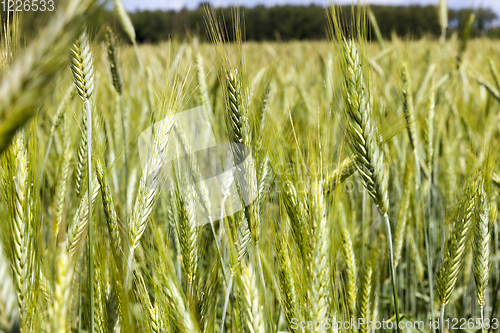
x=133, y=5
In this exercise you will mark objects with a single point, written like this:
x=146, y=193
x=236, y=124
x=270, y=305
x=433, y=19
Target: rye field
x=357, y=187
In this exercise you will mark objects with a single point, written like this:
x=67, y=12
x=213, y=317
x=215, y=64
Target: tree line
x=279, y=23
x=285, y=23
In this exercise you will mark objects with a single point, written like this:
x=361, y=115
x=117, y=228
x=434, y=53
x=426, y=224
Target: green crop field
x=374, y=178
